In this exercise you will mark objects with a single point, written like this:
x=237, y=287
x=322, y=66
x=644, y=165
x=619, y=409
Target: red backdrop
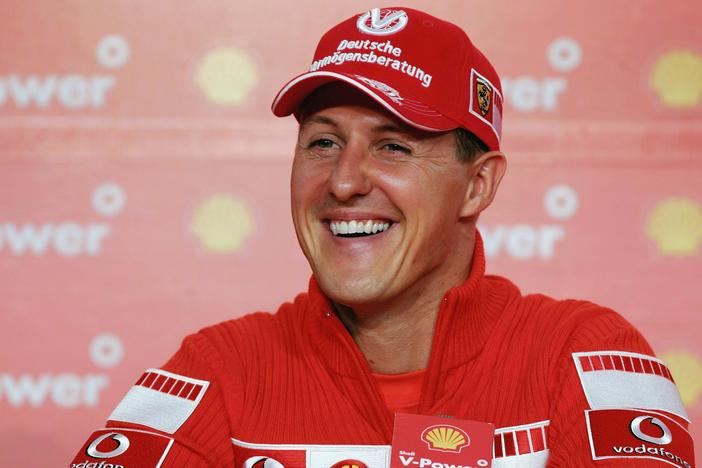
x=144, y=182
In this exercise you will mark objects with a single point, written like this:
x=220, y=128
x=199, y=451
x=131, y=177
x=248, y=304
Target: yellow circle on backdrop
x=222, y=223
x=686, y=368
x=226, y=76
x=677, y=78
x=675, y=224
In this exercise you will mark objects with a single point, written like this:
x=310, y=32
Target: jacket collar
x=467, y=316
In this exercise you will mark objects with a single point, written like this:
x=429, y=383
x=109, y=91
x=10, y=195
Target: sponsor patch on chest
x=524, y=446
x=313, y=456
x=618, y=379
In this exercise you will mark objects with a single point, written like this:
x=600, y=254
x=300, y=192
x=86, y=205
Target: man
x=398, y=153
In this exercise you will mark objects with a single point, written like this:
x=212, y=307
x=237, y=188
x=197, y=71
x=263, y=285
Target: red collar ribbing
x=467, y=316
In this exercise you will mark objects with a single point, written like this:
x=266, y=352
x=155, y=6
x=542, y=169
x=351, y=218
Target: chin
x=351, y=293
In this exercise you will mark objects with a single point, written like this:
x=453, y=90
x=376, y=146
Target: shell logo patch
x=484, y=96
x=445, y=438
x=349, y=464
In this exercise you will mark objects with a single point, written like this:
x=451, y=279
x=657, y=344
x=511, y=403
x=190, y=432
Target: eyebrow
x=322, y=119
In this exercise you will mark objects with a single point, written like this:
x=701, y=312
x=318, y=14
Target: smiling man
x=385, y=214
x=402, y=352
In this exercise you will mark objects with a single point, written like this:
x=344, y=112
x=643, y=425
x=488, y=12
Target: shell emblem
x=445, y=438
x=675, y=224
x=349, y=464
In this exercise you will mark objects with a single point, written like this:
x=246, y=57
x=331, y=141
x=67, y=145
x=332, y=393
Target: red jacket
x=294, y=388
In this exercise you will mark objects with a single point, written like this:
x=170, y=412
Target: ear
x=486, y=173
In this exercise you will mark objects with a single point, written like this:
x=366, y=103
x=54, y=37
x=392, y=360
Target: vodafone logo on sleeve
x=123, y=448
x=633, y=433
x=382, y=22
x=665, y=437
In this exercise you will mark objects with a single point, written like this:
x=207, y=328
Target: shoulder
x=252, y=334
x=579, y=323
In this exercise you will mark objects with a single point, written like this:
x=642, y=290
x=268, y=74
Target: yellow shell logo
x=226, y=76
x=677, y=78
x=675, y=224
x=686, y=368
x=445, y=438
x=222, y=223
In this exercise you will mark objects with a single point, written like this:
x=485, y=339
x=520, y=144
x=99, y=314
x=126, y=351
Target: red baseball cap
x=423, y=69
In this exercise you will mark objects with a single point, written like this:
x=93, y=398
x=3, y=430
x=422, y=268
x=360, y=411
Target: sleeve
x=615, y=404
x=173, y=416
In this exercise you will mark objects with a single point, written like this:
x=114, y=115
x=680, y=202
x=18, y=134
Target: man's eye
x=395, y=148
x=323, y=143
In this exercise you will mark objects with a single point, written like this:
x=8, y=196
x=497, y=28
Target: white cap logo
x=390, y=92
x=382, y=23
x=122, y=446
x=664, y=439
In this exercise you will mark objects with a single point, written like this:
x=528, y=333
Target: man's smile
x=358, y=228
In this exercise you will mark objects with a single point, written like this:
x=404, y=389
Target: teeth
x=358, y=227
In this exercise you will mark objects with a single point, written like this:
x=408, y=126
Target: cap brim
x=411, y=111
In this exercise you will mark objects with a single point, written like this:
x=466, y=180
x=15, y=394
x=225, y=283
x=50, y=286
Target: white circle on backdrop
x=561, y=202
x=564, y=54
x=109, y=199
x=112, y=51
x=106, y=350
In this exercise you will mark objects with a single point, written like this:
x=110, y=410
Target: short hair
x=468, y=146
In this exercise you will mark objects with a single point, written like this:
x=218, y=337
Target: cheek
x=416, y=190
x=307, y=182
x=401, y=185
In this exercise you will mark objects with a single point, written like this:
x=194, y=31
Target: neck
x=396, y=337
x=393, y=343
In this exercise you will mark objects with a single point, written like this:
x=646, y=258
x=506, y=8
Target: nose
x=350, y=175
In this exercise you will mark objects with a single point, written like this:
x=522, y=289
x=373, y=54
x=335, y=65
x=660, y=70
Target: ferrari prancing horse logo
x=484, y=92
